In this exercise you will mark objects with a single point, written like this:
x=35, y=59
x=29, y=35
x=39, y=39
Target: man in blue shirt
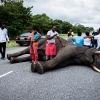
x=79, y=40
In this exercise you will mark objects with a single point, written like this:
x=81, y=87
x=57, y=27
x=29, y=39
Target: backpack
x=37, y=36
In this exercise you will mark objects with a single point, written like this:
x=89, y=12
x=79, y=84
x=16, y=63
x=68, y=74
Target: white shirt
x=87, y=41
x=51, y=33
x=97, y=37
x=3, y=35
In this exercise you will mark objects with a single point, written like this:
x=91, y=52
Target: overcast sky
x=85, y=12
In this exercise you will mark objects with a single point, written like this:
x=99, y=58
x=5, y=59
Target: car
x=24, y=39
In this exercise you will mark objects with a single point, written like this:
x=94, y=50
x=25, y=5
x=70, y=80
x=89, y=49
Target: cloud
x=85, y=12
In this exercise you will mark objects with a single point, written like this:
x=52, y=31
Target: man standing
x=3, y=38
x=97, y=37
x=94, y=40
x=79, y=40
x=50, y=45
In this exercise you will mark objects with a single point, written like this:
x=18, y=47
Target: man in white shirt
x=3, y=38
x=50, y=45
x=97, y=37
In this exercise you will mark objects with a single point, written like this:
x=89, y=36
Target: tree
x=41, y=23
x=66, y=27
x=78, y=27
x=16, y=17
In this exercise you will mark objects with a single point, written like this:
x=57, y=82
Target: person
x=97, y=37
x=70, y=31
x=70, y=38
x=79, y=40
x=51, y=45
x=94, y=42
x=87, y=41
x=34, y=44
x=3, y=38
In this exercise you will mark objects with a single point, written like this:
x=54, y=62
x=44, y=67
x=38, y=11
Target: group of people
x=87, y=40
x=50, y=51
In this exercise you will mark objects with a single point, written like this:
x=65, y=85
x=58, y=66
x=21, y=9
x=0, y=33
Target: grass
x=66, y=35
x=63, y=35
x=11, y=44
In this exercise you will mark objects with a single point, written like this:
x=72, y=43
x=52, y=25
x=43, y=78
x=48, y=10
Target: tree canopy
x=16, y=17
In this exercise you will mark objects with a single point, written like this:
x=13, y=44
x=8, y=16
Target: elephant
x=68, y=55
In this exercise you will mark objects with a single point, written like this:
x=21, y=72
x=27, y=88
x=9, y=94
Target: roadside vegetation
x=11, y=44
x=14, y=44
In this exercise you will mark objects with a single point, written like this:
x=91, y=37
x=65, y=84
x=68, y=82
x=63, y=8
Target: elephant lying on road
x=68, y=55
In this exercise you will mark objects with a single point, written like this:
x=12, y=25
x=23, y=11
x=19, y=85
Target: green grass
x=66, y=35
x=11, y=44
x=63, y=35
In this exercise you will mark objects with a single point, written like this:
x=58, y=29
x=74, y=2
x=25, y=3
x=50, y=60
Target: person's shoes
x=2, y=58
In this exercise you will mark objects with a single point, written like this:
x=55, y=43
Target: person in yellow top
x=70, y=31
x=34, y=44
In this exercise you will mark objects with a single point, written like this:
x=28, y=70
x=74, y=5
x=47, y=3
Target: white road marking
x=6, y=74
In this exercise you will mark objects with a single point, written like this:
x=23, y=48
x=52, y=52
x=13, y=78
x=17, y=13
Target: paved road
x=17, y=82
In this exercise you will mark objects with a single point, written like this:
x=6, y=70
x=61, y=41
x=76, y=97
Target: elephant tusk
x=96, y=69
x=97, y=52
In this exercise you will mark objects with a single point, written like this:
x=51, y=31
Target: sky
x=85, y=12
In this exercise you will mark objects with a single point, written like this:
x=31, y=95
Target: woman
x=70, y=38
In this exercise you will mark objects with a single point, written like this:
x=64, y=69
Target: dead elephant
x=68, y=55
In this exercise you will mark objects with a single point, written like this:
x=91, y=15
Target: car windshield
x=25, y=34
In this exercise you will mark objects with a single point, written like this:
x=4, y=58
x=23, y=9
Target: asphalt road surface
x=17, y=82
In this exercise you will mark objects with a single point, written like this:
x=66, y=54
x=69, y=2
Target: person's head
x=87, y=33
x=70, y=30
x=30, y=29
x=2, y=26
x=79, y=34
x=53, y=28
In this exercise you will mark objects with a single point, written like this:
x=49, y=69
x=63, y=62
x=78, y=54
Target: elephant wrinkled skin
x=68, y=55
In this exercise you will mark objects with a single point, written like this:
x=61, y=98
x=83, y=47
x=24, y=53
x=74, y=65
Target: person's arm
x=60, y=41
x=90, y=36
x=72, y=33
x=7, y=36
x=83, y=41
x=50, y=37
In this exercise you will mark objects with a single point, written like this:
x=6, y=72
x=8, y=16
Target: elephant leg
x=21, y=59
x=64, y=55
x=26, y=51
